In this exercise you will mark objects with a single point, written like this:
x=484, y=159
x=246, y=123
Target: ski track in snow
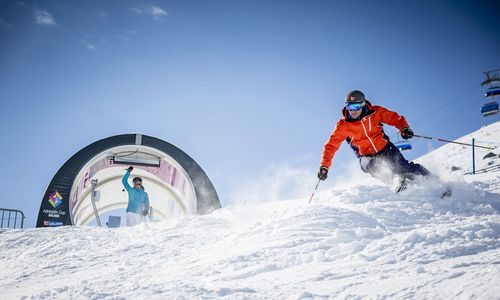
x=355, y=242
x=350, y=243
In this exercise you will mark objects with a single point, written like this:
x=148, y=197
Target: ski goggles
x=355, y=106
x=137, y=182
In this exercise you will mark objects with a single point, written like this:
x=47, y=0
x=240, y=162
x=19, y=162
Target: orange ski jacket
x=366, y=135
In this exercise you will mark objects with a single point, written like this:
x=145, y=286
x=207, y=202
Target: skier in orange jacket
x=361, y=128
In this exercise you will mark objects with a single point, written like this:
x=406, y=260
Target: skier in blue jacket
x=138, y=200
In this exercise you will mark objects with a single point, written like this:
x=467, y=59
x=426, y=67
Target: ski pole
x=453, y=142
x=312, y=195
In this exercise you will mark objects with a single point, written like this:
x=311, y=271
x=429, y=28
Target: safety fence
x=11, y=218
x=494, y=168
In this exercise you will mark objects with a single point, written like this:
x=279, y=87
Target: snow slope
x=351, y=242
x=452, y=161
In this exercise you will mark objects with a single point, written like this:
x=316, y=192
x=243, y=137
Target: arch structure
x=90, y=182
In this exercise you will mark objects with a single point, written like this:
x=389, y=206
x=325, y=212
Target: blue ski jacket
x=138, y=199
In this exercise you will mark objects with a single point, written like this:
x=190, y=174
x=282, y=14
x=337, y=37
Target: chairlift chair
x=492, y=91
x=491, y=77
x=489, y=109
x=403, y=146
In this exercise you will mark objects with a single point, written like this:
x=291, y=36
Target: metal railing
x=9, y=218
x=494, y=168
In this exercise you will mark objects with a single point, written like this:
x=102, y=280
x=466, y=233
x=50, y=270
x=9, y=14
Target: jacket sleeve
x=125, y=181
x=392, y=118
x=336, y=138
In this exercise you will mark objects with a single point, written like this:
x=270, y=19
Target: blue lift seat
x=489, y=109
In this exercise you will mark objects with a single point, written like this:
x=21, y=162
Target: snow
x=457, y=159
x=353, y=241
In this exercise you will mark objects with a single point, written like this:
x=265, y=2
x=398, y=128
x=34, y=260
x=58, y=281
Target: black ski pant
x=391, y=158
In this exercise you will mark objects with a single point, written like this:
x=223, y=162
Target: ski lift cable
x=454, y=115
x=446, y=104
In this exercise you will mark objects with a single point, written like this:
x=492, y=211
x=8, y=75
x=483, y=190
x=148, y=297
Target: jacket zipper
x=364, y=129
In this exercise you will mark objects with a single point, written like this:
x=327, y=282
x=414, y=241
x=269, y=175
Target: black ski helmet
x=355, y=97
x=137, y=180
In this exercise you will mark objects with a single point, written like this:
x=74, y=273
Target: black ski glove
x=145, y=212
x=130, y=169
x=406, y=133
x=323, y=173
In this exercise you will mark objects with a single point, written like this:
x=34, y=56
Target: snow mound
x=354, y=241
x=363, y=242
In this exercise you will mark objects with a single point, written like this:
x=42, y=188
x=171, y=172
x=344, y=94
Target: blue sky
x=250, y=89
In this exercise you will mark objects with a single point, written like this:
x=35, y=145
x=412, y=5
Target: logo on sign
x=52, y=223
x=55, y=199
